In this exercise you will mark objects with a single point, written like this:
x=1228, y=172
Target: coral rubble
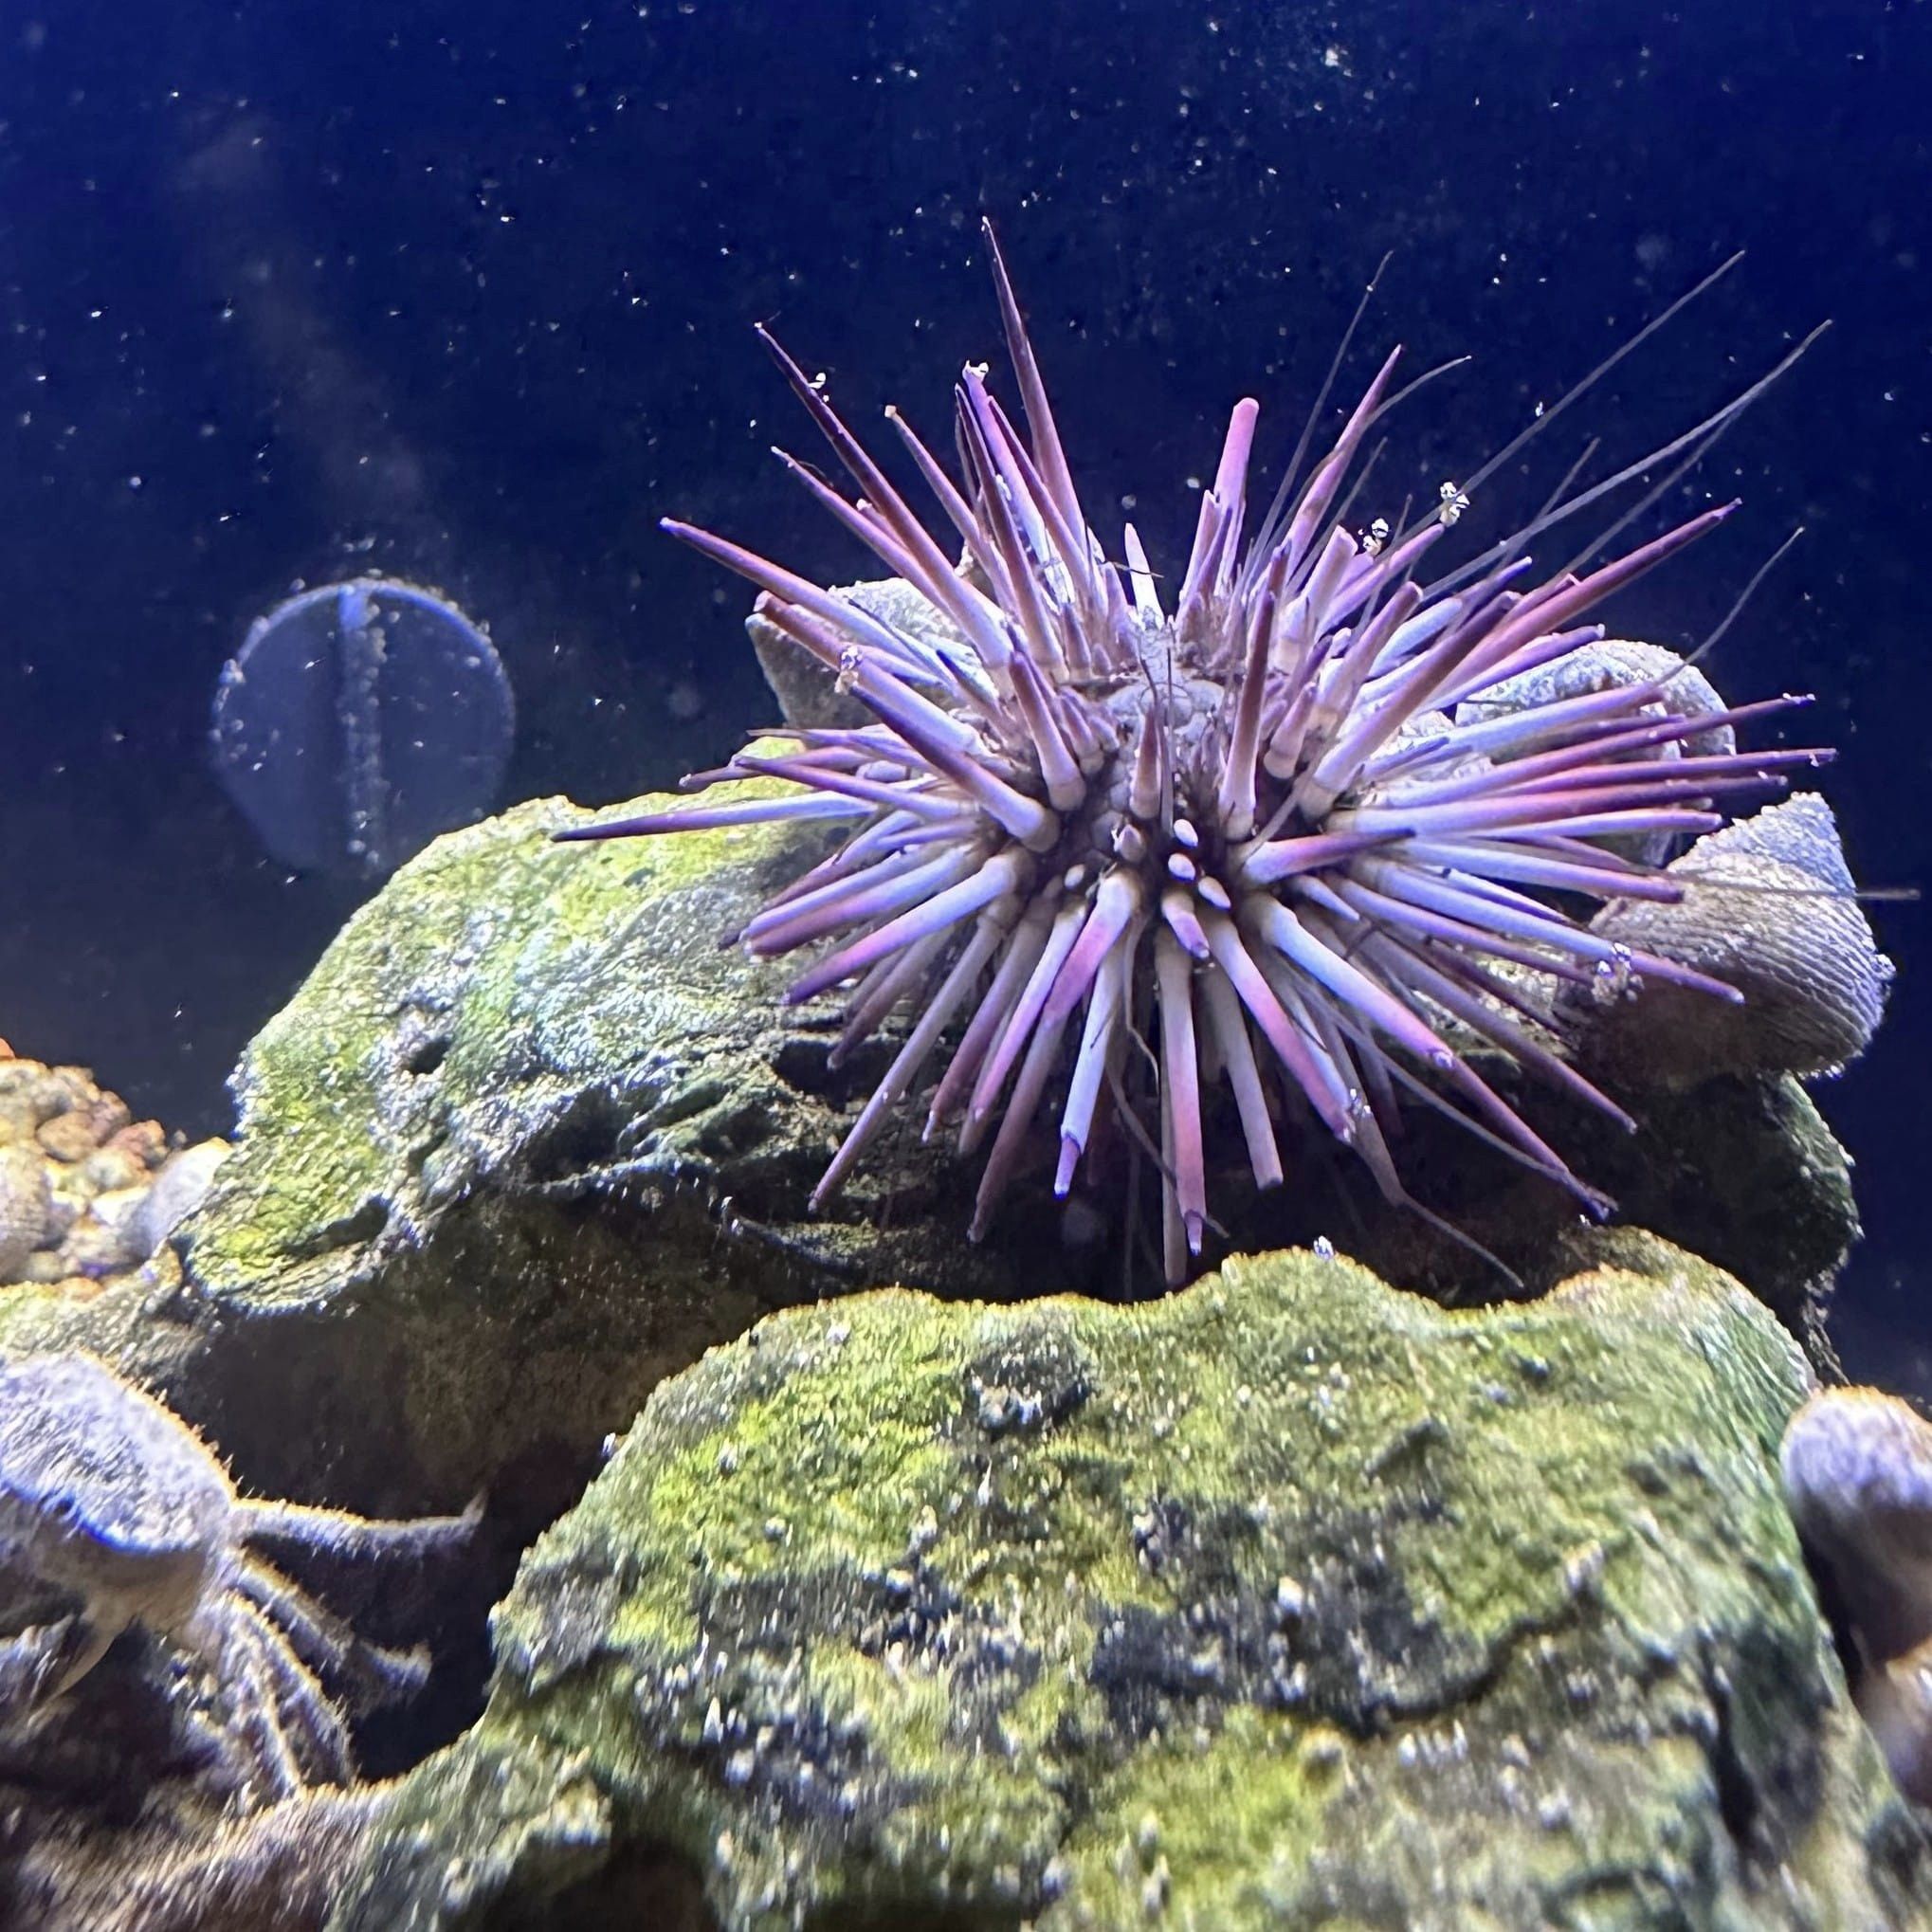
x=87, y=1192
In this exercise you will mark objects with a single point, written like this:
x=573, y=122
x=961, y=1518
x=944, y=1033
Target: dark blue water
x=466, y=300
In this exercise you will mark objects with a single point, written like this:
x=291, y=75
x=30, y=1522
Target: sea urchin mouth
x=1258, y=835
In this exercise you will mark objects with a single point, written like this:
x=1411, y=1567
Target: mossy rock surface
x=527, y=1140
x=1290, y=1600
x=502, y=1162
x=459, y=1033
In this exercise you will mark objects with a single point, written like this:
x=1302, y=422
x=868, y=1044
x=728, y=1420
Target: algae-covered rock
x=501, y=1164
x=509, y=1014
x=527, y=1140
x=1288, y=1600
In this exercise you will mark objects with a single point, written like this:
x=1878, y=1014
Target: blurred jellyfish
x=358, y=721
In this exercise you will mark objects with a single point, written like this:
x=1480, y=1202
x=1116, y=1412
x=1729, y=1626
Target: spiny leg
x=249, y=1688
x=375, y=1674
x=300, y=1696
x=212, y=1737
x=343, y=1534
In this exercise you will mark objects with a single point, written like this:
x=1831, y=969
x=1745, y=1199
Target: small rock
x=25, y=1203
x=1858, y=1478
x=174, y=1194
x=67, y=1136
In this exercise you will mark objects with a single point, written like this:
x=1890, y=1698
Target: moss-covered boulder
x=526, y=1140
x=502, y=1162
x=510, y=1014
x=1289, y=1600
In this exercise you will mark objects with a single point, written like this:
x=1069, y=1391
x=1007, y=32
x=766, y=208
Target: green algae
x=449, y=980
x=1286, y=1600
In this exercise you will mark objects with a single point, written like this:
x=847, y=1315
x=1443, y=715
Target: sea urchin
x=1111, y=848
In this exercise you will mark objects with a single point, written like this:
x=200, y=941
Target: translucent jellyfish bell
x=358, y=721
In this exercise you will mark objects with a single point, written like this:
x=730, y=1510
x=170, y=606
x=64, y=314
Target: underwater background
x=463, y=294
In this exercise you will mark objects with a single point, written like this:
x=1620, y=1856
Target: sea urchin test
x=1111, y=835
x=358, y=721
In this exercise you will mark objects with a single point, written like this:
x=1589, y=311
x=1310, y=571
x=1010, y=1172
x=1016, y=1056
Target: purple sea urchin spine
x=1254, y=834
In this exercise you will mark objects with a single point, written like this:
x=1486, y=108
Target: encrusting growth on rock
x=1286, y=1600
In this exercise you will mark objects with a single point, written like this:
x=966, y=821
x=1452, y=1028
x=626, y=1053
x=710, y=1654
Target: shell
x=25, y=1208
x=1768, y=906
